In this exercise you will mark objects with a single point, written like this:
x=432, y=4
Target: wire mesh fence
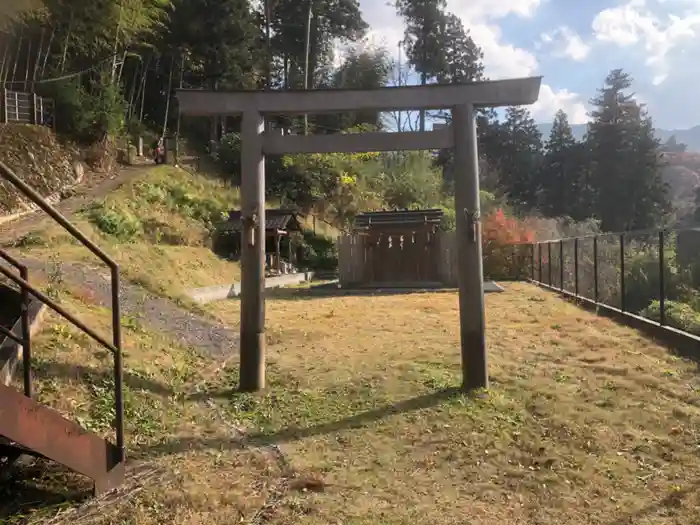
x=653, y=274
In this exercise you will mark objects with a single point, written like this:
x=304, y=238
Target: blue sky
x=574, y=44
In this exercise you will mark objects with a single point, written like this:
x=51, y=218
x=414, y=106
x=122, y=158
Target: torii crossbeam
x=461, y=99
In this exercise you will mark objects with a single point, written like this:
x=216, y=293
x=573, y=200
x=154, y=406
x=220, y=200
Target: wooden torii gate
x=461, y=99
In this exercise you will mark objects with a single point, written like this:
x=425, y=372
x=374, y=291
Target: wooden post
x=33, y=101
x=252, y=350
x=278, y=255
x=289, y=249
x=470, y=268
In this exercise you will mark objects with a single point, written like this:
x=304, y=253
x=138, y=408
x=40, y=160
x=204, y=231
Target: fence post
x=35, y=121
x=622, y=272
x=539, y=262
x=561, y=265
x=3, y=105
x=662, y=277
x=549, y=262
x=532, y=258
x=595, y=268
x=576, y=266
x=16, y=106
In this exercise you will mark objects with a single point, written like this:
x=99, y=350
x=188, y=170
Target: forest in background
x=112, y=67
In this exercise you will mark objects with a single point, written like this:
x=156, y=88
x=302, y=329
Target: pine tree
x=562, y=178
x=625, y=163
x=519, y=154
x=425, y=23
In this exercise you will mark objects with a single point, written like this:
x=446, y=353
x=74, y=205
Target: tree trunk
x=19, y=52
x=167, y=102
x=48, y=52
x=4, y=65
x=64, y=55
x=116, y=44
x=133, y=92
x=142, y=88
x=306, y=60
x=268, y=43
x=27, y=63
x=38, y=56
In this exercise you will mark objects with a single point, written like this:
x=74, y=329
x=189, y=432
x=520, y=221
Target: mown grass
x=158, y=228
x=586, y=421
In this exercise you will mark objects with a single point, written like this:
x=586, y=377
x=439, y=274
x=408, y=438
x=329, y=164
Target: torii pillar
x=462, y=99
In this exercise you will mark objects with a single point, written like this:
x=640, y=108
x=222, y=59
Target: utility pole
x=306, y=60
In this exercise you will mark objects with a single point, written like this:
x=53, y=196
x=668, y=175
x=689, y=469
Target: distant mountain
x=691, y=136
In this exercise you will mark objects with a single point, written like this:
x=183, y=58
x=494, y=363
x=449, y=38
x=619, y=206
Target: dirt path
x=159, y=313
x=96, y=185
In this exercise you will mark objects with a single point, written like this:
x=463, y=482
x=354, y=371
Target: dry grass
x=157, y=227
x=587, y=422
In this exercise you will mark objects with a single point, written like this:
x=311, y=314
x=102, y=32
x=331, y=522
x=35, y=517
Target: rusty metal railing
x=115, y=346
x=25, y=339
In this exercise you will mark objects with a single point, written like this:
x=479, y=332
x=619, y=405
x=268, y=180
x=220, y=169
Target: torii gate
x=461, y=135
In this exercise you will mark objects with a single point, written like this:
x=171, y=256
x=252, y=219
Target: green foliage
x=678, y=315
x=116, y=221
x=319, y=253
x=624, y=160
x=88, y=112
x=642, y=282
x=126, y=220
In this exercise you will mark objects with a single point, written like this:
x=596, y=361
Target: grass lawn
x=157, y=227
x=586, y=422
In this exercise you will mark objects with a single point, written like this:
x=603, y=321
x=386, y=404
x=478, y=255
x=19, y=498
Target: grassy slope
x=156, y=227
x=587, y=421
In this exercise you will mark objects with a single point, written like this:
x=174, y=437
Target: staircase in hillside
x=27, y=426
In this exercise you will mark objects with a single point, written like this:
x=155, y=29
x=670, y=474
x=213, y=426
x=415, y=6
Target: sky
x=573, y=44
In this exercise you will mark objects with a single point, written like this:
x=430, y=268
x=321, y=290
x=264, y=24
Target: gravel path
x=158, y=313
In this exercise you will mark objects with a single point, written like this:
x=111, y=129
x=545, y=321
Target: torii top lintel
x=510, y=92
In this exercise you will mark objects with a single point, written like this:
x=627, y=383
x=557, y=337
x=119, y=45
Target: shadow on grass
x=36, y=489
x=296, y=433
x=667, y=505
x=332, y=290
x=89, y=374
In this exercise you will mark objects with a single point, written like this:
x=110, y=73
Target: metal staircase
x=28, y=427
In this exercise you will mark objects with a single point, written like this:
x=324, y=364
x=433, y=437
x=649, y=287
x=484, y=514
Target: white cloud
x=501, y=59
x=551, y=101
x=633, y=23
x=566, y=43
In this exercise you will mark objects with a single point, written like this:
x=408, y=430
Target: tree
x=463, y=59
x=518, y=154
x=425, y=23
x=624, y=156
x=562, y=178
x=361, y=69
x=673, y=146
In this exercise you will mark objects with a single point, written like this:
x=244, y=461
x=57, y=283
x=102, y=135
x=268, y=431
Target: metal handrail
x=116, y=345
x=26, y=331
